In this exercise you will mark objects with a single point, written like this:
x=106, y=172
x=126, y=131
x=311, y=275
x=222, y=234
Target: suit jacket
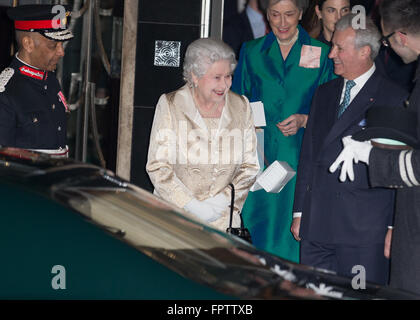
x=185, y=161
x=348, y=213
x=395, y=69
x=237, y=30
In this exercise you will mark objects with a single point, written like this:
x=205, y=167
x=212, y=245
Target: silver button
x=59, y=128
x=53, y=106
x=45, y=87
x=34, y=120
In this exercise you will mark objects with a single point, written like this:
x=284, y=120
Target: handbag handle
x=232, y=201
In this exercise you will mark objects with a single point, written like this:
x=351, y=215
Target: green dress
x=285, y=88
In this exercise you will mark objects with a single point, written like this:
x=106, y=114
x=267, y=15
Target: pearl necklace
x=289, y=42
x=214, y=112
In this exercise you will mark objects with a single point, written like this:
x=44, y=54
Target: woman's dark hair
x=320, y=3
x=310, y=21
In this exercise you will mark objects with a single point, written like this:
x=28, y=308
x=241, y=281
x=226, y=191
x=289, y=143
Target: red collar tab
x=39, y=24
x=33, y=73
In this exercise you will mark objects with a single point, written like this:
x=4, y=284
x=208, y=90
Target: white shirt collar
x=362, y=79
x=360, y=82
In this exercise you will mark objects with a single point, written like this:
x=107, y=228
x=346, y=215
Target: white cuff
x=390, y=227
x=297, y=214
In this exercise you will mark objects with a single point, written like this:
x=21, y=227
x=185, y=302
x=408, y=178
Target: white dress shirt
x=256, y=20
x=360, y=82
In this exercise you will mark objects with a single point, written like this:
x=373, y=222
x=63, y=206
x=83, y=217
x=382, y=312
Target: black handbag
x=241, y=232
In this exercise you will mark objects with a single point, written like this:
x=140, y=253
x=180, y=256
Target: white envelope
x=260, y=153
x=258, y=114
x=256, y=186
x=275, y=177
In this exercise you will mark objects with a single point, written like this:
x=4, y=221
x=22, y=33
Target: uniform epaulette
x=5, y=76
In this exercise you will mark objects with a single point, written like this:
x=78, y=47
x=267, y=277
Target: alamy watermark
x=198, y=146
x=359, y=21
x=60, y=20
x=59, y=280
x=359, y=280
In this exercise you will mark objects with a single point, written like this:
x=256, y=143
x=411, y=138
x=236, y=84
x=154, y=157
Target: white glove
x=202, y=210
x=353, y=151
x=219, y=202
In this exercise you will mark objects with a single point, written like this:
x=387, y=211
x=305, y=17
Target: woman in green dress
x=281, y=69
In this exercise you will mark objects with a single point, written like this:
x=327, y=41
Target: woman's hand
x=202, y=210
x=219, y=202
x=292, y=124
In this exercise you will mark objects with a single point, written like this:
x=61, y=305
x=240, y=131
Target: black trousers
x=341, y=259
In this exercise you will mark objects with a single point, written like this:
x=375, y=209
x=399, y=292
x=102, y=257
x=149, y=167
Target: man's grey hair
x=300, y=4
x=19, y=35
x=368, y=36
x=202, y=53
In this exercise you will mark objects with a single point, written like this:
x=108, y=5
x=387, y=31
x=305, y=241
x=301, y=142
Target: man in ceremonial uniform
x=32, y=105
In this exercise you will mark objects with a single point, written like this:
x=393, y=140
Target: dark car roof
x=39, y=234
x=117, y=241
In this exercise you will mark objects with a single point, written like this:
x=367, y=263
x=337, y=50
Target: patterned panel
x=167, y=53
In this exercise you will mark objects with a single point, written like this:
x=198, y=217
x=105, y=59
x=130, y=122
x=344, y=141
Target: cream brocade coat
x=186, y=161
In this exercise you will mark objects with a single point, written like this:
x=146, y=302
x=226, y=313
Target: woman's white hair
x=202, y=53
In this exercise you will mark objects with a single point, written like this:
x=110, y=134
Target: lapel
x=275, y=62
x=248, y=29
x=357, y=108
x=226, y=117
x=185, y=102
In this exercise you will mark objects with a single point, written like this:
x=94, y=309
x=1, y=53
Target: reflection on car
x=76, y=231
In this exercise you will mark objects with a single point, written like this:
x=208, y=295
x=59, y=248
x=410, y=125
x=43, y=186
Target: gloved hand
x=353, y=151
x=219, y=202
x=202, y=210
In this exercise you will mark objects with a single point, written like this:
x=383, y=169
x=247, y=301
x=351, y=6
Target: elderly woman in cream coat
x=203, y=139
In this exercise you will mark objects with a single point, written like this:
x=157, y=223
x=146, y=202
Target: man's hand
x=388, y=239
x=295, y=228
x=353, y=151
x=292, y=124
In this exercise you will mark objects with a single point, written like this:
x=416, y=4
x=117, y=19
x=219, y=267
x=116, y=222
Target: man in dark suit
x=397, y=169
x=245, y=26
x=344, y=225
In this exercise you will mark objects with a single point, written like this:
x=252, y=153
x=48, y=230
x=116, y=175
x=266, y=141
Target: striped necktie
x=346, y=101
